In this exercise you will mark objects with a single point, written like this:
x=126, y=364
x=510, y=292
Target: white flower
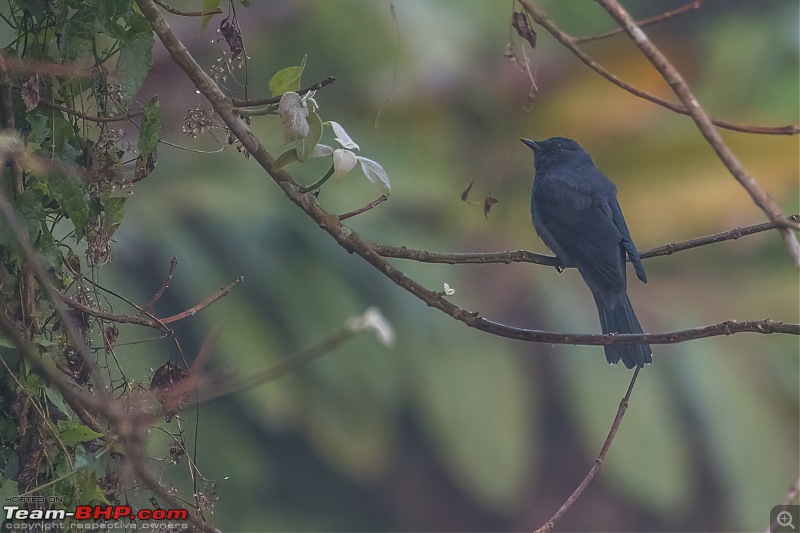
x=374, y=321
x=343, y=162
x=448, y=291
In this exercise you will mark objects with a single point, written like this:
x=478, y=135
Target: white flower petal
x=374, y=321
x=375, y=173
x=343, y=162
x=342, y=137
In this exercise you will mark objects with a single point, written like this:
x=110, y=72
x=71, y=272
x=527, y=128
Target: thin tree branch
x=523, y=256
x=623, y=406
x=695, y=4
x=173, y=264
x=354, y=243
x=704, y=123
x=568, y=41
x=147, y=321
x=276, y=99
x=380, y=199
x=205, y=303
x=91, y=118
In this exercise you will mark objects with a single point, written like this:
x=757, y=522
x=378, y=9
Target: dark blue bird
x=575, y=212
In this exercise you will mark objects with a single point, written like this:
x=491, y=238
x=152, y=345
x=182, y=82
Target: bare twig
x=569, y=42
x=380, y=199
x=703, y=121
x=148, y=321
x=205, y=303
x=695, y=4
x=523, y=256
x=276, y=99
x=354, y=243
x=181, y=13
x=164, y=285
x=91, y=118
x=623, y=406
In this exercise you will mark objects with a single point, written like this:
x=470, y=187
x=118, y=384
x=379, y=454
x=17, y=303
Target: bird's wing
x=627, y=243
x=583, y=227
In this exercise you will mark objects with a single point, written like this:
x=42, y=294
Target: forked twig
x=569, y=42
x=623, y=406
x=704, y=123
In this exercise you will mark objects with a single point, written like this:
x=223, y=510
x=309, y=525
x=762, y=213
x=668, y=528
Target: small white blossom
x=343, y=162
x=374, y=321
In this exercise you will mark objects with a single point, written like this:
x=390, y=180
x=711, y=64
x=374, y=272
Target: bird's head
x=553, y=148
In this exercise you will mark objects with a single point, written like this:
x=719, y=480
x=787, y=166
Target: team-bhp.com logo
x=94, y=512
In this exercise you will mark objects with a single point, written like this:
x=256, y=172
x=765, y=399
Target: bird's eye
x=558, y=145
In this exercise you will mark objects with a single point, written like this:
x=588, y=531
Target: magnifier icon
x=784, y=519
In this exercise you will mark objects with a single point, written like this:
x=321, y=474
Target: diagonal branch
x=205, y=303
x=703, y=121
x=354, y=243
x=623, y=406
x=570, y=43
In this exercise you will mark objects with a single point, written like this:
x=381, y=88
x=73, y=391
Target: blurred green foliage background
x=452, y=429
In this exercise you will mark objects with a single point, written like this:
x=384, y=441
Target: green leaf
x=208, y=5
x=114, y=209
x=135, y=60
x=30, y=209
x=51, y=252
x=57, y=399
x=150, y=131
x=72, y=432
x=287, y=80
x=109, y=13
x=79, y=32
x=289, y=156
x=73, y=198
x=305, y=147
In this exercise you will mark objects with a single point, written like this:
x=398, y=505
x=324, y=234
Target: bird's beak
x=530, y=144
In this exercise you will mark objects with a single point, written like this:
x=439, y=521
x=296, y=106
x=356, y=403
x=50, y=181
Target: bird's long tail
x=617, y=316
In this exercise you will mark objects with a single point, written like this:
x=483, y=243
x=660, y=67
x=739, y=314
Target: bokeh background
x=452, y=429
